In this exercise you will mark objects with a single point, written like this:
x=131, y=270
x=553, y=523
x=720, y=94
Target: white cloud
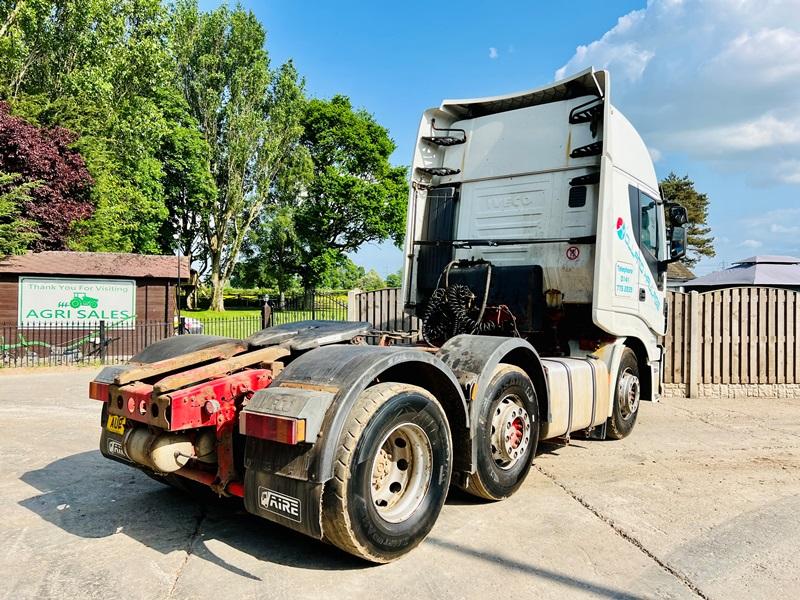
x=493, y=53
x=655, y=153
x=716, y=80
x=751, y=244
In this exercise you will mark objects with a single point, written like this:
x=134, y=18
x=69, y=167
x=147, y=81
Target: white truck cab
x=554, y=193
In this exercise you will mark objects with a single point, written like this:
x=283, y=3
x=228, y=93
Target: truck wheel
x=626, y=397
x=391, y=474
x=508, y=432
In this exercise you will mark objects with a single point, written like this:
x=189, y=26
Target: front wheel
x=391, y=474
x=626, y=397
x=507, y=432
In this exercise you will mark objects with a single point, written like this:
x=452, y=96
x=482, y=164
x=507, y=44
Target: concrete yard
x=703, y=500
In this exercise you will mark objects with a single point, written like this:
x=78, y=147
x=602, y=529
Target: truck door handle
x=642, y=295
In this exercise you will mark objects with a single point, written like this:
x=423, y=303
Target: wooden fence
x=743, y=335
x=733, y=336
x=383, y=308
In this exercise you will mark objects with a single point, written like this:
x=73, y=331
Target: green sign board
x=57, y=301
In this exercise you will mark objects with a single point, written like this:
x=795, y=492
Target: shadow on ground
x=91, y=497
x=88, y=496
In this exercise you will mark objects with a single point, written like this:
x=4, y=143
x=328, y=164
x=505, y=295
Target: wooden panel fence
x=742, y=335
x=745, y=335
x=383, y=308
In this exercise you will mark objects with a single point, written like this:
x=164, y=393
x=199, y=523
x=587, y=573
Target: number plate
x=116, y=424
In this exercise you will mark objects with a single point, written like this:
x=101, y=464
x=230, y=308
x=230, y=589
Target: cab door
x=647, y=216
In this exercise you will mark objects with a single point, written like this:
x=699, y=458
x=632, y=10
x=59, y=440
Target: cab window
x=646, y=217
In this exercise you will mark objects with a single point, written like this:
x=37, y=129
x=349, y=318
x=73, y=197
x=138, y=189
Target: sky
x=711, y=85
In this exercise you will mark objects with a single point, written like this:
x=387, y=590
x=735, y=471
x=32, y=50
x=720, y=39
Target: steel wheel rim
x=628, y=393
x=401, y=472
x=511, y=432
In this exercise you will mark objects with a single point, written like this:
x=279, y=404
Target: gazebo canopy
x=778, y=271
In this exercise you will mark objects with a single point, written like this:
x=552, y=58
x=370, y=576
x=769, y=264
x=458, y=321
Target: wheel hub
x=401, y=472
x=629, y=394
x=511, y=432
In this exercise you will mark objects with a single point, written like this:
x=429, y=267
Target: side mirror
x=677, y=243
x=677, y=215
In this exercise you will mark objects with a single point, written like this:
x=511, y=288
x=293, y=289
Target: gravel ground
x=701, y=501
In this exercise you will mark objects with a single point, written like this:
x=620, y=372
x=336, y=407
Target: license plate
x=116, y=424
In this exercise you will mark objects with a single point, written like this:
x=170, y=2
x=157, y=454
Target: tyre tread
x=335, y=515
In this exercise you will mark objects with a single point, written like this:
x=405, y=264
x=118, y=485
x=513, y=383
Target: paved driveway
x=701, y=501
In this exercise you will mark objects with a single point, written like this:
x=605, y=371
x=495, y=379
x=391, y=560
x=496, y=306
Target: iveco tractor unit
x=535, y=258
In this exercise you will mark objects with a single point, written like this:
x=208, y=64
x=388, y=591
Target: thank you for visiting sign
x=57, y=301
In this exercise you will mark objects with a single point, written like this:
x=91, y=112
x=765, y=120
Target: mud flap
x=294, y=503
x=111, y=447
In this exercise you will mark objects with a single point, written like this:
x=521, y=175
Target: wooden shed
x=73, y=286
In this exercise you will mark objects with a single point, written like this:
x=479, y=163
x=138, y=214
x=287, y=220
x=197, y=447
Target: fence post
x=313, y=304
x=352, y=304
x=695, y=333
x=181, y=325
x=102, y=341
x=266, y=312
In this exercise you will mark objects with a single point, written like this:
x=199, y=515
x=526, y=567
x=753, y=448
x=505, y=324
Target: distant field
x=240, y=323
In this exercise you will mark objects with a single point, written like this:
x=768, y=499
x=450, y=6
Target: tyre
x=508, y=433
x=626, y=397
x=391, y=473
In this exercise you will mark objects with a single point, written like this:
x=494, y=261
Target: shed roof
x=679, y=272
x=756, y=270
x=95, y=264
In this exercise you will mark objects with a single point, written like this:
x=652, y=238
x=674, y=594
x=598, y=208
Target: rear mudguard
x=284, y=483
x=473, y=359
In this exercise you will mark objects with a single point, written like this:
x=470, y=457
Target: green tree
x=344, y=276
x=101, y=68
x=16, y=232
x=395, y=280
x=250, y=117
x=371, y=281
x=681, y=190
x=355, y=196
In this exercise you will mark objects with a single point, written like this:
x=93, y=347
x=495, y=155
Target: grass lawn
x=240, y=323
x=231, y=313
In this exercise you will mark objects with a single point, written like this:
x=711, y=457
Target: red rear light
x=98, y=391
x=277, y=429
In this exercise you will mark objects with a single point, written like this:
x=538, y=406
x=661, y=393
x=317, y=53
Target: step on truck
x=535, y=259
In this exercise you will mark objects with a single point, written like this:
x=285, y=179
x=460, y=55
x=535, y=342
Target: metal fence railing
x=111, y=343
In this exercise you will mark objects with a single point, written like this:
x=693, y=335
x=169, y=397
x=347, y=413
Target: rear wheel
x=627, y=395
x=391, y=474
x=508, y=432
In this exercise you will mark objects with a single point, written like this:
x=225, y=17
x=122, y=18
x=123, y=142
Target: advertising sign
x=58, y=301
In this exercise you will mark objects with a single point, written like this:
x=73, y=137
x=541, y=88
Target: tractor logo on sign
x=80, y=299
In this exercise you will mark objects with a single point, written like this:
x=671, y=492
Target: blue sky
x=711, y=85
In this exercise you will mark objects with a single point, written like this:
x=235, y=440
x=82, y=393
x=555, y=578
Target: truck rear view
x=535, y=256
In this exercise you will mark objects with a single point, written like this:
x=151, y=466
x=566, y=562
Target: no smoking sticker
x=573, y=252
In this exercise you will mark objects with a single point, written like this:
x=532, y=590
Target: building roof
x=95, y=264
x=781, y=271
x=679, y=272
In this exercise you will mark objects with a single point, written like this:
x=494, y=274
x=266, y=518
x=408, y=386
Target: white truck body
x=600, y=247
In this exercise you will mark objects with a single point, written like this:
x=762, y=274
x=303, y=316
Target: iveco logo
x=515, y=201
x=280, y=504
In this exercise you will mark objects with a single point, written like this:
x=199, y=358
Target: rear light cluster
x=99, y=391
x=277, y=429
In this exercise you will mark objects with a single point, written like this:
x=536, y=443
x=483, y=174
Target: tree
x=344, y=276
x=61, y=195
x=250, y=117
x=681, y=190
x=16, y=232
x=371, y=281
x=395, y=280
x=100, y=68
x=355, y=195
